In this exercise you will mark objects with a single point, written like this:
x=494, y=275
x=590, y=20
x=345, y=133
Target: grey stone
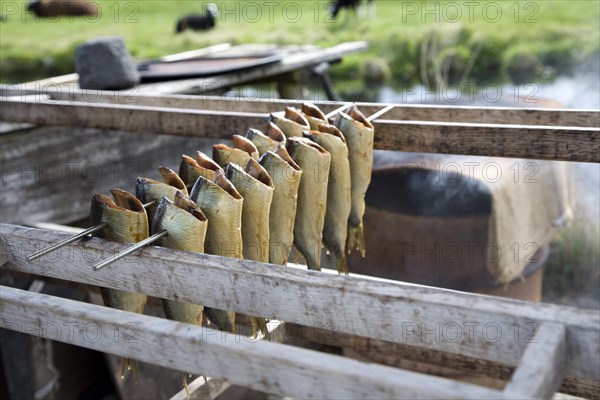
x=105, y=63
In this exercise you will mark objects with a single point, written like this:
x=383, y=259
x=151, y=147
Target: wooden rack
x=538, y=348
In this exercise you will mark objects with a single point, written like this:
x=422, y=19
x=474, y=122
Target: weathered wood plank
x=521, y=141
x=203, y=388
x=293, y=61
x=396, y=355
x=404, y=112
x=542, y=369
x=477, y=326
x=517, y=141
x=260, y=365
x=57, y=170
x=167, y=121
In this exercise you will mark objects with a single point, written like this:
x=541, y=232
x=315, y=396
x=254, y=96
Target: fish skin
x=339, y=199
x=286, y=175
x=313, y=115
x=127, y=223
x=256, y=187
x=171, y=178
x=147, y=190
x=292, y=123
x=186, y=227
x=201, y=165
x=223, y=154
x=242, y=143
x=359, y=134
x=312, y=198
x=267, y=141
x=222, y=204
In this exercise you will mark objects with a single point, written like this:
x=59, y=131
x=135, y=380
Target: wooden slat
x=266, y=366
x=518, y=141
x=203, y=388
x=396, y=355
x=541, y=371
x=292, y=61
x=167, y=121
x=522, y=141
x=490, y=328
x=405, y=112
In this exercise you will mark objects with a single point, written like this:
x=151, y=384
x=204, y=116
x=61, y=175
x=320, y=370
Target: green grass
x=566, y=32
x=571, y=274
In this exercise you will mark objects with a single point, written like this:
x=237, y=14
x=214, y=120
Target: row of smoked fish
x=302, y=181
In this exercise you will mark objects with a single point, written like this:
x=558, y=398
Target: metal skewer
x=130, y=250
x=380, y=112
x=67, y=241
x=76, y=237
x=338, y=110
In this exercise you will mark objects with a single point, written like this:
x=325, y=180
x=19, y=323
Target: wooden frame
x=395, y=312
x=578, y=140
x=560, y=346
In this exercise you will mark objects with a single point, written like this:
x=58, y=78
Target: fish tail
x=259, y=323
x=185, y=383
x=342, y=265
x=356, y=239
x=127, y=364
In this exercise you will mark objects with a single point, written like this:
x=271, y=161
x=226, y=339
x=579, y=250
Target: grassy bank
x=410, y=41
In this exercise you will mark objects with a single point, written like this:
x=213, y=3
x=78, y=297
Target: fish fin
x=199, y=317
x=259, y=324
x=356, y=239
x=185, y=384
x=342, y=265
x=127, y=364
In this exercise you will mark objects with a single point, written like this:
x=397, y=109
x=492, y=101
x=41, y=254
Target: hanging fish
x=292, y=123
x=149, y=190
x=339, y=189
x=359, y=134
x=315, y=162
x=127, y=222
x=222, y=204
x=186, y=226
x=242, y=150
x=256, y=187
x=286, y=175
x=201, y=165
x=313, y=115
x=267, y=141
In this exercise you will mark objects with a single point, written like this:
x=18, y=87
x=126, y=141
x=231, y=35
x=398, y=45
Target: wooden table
x=294, y=60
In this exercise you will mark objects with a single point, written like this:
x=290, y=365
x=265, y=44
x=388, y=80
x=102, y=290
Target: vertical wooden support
x=542, y=368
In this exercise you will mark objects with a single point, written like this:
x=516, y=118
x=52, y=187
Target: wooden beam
x=521, y=141
x=487, y=328
x=167, y=121
x=260, y=365
x=542, y=369
x=395, y=355
x=518, y=141
x=203, y=388
x=404, y=112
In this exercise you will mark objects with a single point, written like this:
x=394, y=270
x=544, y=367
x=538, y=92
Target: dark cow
x=57, y=8
x=338, y=5
x=198, y=22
